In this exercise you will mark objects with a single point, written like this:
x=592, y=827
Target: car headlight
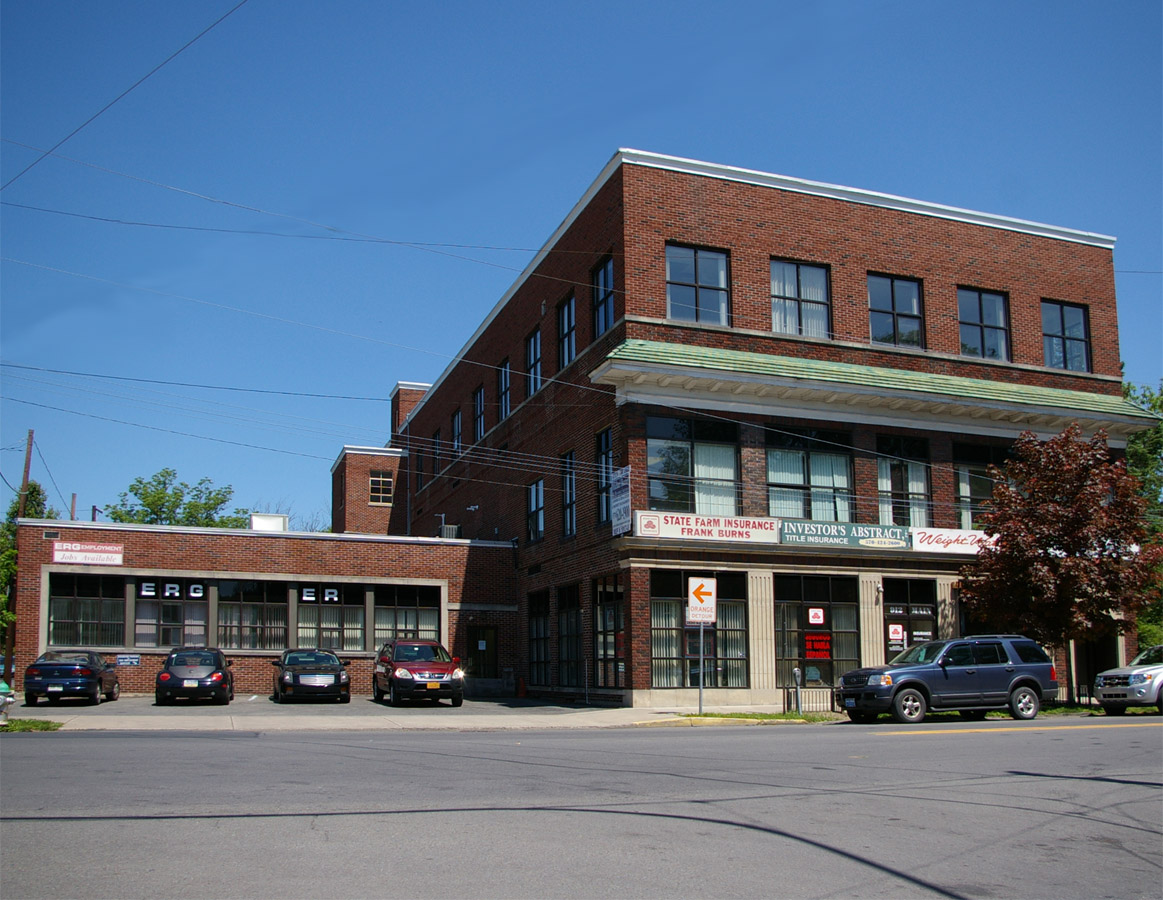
x=343, y=677
x=1140, y=678
x=403, y=673
x=288, y=678
x=880, y=680
x=1098, y=681
x=458, y=674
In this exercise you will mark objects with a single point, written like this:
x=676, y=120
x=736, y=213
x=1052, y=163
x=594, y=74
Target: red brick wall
x=351, y=509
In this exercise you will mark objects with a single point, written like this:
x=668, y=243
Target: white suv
x=1137, y=684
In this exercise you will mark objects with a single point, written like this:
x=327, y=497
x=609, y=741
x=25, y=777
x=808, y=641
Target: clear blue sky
x=468, y=130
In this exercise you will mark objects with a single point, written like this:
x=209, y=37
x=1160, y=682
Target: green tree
x=1145, y=462
x=163, y=500
x=1071, y=556
x=35, y=507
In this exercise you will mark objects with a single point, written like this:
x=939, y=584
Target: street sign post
x=701, y=596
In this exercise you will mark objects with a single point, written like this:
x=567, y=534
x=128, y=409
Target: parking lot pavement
x=254, y=712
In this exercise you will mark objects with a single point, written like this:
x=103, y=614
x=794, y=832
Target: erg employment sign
x=87, y=554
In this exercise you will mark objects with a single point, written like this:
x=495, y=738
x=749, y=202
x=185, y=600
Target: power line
x=44, y=462
x=124, y=93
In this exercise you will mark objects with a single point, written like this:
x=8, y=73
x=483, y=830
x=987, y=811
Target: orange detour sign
x=701, y=596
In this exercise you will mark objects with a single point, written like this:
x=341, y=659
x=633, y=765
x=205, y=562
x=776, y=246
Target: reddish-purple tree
x=1070, y=557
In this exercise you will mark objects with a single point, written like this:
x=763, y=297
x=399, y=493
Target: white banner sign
x=87, y=554
x=691, y=527
x=620, y=519
x=949, y=540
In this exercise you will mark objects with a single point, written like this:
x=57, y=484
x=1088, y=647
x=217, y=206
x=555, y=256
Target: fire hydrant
x=7, y=698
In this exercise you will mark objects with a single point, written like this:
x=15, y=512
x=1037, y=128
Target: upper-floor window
x=984, y=324
x=895, y=311
x=379, y=486
x=903, y=481
x=604, y=458
x=568, y=494
x=418, y=456
x=974, y=484
x=478, y=413
x=799, y=299
x=436, y=451
x=602, y=282
x=809, y=476
x=696, y=285
x=456, y=431
x=566, y=334
x=692, y=465
x=533, y=363
x=503, y=405
x=1065, y=336
x=535, y=510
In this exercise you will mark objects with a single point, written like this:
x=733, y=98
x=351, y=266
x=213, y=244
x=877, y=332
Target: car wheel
x=30, y=699
x=115, y=693
x=973, y=715
x=1024, y=703
x=95, y=700
x=345, y=698
x=1114, y=710
x=279, y=698
x=377, y=694
x=223, y=698
x=909, y=706
x=457, y=700
x=159, y=700
x=860, y=717
x=393, y=697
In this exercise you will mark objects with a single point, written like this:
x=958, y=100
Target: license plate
x=434, y=685
x=849, y=702
x=55, y=687
x=190, y=682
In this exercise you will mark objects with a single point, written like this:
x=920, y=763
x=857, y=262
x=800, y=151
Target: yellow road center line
x=1020, y=728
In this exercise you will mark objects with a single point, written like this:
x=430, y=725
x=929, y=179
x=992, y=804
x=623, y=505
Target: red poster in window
x=818, y=645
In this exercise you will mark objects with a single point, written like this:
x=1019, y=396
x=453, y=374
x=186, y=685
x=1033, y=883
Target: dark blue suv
x=970, y=675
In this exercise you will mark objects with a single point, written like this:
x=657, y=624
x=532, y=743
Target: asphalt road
x=1056, y=809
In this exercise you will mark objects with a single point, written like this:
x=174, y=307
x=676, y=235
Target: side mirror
x=943, y=661
x=456, y=660
x=229, y=663
x=274, y=662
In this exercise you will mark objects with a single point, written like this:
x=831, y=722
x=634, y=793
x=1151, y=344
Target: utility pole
x=10, y=631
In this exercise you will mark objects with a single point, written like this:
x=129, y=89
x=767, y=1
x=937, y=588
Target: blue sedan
x=70, y=673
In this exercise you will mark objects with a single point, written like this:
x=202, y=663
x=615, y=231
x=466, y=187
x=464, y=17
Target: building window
x=533, y=363
x=535, y=510
x=817, y=628
x=984, y=324
x=895, y=311
x=604, y=458
x=419, y=457
x=171, y=612
x=566, y=334
x=456, y=444
x=910, y=613
x=380, y=486
x=407, y=611
x=86, y=610
x=1065, y=336
x=478, y=414
x=696, y=285
x=539, y=638
x=568, y=495
x=809, y=476
x=609, y=633
x=692, y=465
x=503, y=405
x=436, y=444
x=974, y=483
x=331, y=617
x=674, y=646
x=903, y=481
x=569, y=635
x=799, y=299
x=602, y=281
x=252, y=615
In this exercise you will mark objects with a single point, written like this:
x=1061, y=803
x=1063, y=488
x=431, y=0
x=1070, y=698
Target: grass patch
x=30, y=725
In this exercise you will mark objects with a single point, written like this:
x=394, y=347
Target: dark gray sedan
x=195, y=673
x=311, y=673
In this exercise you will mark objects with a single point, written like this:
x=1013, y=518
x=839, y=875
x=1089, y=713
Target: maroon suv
x=411, y=669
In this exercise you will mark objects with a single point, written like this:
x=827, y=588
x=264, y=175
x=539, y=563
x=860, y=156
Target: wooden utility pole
x=10, y=631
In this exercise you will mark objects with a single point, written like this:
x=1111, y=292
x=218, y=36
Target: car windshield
x=1152, y=656
x=919, y=653
x=421, y=653
x=193, y=659
x=312, y=659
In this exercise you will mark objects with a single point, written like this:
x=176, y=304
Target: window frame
x=569, y=636
x=533, y=380
x=602, y=289
x=609, y=632
x=568, y=494
x=901, y=463
x=81, y=626
x=455, y=426
x=504, y=382
x=1061, y=337
x=799, y=300
x=375, y=486
x=700, y=433
x=895, y=313
x=478, y=414
x=535, y=511
x=813, y=444
x=980, y=327
x=699, y=287
x=791, y=591
x=257, y=600
x=604, y=462
x=566, y=332
x=539, y=639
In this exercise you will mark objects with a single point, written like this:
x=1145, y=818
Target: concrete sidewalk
x=252, y=713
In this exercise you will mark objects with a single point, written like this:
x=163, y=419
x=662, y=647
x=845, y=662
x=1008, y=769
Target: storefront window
x=910, y=613
x=568, y=636
x=675, y=656
x=609, y=632
x=331, y=616
x=407, y=611
x=817, y=628
x=539, y=638
x=86, y=610
x=171, y=612
x=252, y=615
